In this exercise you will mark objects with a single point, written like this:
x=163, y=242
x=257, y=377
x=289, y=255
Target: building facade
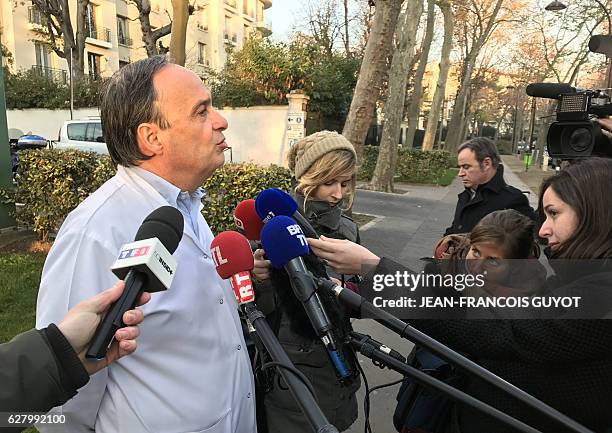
x=114, y=36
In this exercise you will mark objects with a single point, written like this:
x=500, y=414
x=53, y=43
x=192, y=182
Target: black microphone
x=285, y=244
x=549, y=90
x=145, y=263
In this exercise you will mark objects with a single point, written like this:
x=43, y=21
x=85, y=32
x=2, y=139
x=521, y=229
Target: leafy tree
x=264, y=72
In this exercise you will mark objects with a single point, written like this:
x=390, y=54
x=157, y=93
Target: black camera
x=575, y=134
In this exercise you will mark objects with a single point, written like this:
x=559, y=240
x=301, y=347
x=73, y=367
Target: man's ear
x=487, y=162
x=147, y=137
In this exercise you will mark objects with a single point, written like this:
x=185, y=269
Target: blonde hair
x=339, y=163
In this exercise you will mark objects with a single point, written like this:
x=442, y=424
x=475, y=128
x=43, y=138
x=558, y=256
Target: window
x=94, y=64
x=228, y=27
x=42, y=55
x=76, y=131
x=94, y=133
x=202, y=53
x=123, y=35
x=90, y=19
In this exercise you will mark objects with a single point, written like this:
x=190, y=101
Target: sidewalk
x=525, y=180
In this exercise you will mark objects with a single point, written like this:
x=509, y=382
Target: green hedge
x=412, y=165
x=52, y=183
x=236, y=182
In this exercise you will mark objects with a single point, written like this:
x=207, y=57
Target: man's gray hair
x=482, y=148
x=128, y=99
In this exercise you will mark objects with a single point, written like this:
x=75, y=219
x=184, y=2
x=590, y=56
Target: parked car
x=82, y=135
x=23, y=142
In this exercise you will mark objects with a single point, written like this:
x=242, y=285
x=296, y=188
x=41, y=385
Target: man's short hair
x=482, y=148
x=128, y=99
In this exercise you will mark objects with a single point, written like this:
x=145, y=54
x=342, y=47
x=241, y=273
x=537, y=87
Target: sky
x=282, y=16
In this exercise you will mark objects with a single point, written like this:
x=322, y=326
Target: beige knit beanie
x=306, y=151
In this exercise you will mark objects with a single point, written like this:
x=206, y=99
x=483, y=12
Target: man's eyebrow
x=203, y=103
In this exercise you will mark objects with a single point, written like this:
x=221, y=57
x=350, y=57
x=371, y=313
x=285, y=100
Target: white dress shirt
x=191, y=371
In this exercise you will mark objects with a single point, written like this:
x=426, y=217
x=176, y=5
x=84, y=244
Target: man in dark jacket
x=485, y=189
x=40, y=369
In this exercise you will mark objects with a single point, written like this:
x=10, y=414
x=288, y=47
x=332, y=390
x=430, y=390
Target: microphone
x=145, y=263
x=273, y=202
x=233, y=259
x=549, y=90
x=231, y=252
x=285, y=244
x=247, y=220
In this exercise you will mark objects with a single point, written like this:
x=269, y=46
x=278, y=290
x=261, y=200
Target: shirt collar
x=168, y=191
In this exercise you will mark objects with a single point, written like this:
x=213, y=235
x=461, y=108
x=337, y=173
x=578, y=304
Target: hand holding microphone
x=145, y=264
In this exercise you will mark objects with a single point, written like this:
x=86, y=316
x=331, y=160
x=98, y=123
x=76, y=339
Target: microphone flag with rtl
x=234, y=260
x=247, y=220
x=273, y=202
x=285, y=244
x=145, y=264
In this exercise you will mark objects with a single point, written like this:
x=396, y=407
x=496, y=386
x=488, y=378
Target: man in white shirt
x=191, y=372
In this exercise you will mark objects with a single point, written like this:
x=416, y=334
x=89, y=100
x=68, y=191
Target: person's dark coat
x=38, y=371
x=491, y=196
x=337, y=400
x=566, y=363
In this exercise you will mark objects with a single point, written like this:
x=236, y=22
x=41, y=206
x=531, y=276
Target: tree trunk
x=382, y=179
x=454, y=135
x=178, y=38
x=417, y=91
x=78, y=54
x=347, y=45
x=373, y=70
x=439, y=94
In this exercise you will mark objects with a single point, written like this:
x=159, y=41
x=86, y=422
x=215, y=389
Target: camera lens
x=580, y=140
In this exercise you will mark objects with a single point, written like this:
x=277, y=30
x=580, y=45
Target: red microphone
x=234, y=260
x=246, y=219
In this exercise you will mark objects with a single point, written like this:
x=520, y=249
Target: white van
x=82, y=135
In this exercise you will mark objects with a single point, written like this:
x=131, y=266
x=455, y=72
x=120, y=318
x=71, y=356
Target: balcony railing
x=58, y=75
x=122, y=40
x=35, y=16
x=99, y=33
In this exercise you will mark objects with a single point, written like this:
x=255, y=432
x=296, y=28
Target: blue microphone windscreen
x=273, y=202
x=283, y=240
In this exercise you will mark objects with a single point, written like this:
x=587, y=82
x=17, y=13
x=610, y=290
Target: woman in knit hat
x=323, y=165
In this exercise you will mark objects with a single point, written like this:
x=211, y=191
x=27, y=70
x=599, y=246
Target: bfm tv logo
x=241, y=282
x=296, y=230
x=134, y=252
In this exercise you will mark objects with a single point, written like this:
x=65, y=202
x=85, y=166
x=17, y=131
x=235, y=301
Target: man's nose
x=461, y=172
x=219, y=122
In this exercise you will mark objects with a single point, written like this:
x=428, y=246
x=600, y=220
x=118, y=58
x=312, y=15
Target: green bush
x=52, y=183
x=29, y=88
x=412, y=165
x=234, y=183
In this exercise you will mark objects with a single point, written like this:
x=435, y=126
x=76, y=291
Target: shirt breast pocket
x=222, y=425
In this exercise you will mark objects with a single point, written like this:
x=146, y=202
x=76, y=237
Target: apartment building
x=114, y=35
